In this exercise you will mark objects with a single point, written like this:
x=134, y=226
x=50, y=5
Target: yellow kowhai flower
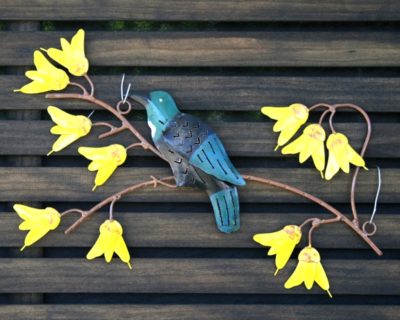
x=72, y=56
x=109, y=241
x=68, y=126
x=309, y=270
x=310, y=143
x=38, y=221
x=289, y=120
x=105, y=160
x=282, y=243
x=341, y=154
x=46, y=77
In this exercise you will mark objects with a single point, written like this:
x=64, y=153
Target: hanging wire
x=124, y=97
x=370, y=223
x=376, y=196
x=91, y=113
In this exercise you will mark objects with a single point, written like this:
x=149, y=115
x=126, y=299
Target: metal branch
x=125, y=123
x=319, y=201
x=86, y=214
x=113, y=130
x=90, y=83
x=76, y=84
x=363, y=149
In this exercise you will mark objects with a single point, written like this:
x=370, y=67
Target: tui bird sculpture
x=196, y=156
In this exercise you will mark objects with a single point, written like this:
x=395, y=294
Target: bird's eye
x=161, y=100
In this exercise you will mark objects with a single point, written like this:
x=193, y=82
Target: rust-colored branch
x=78, y=85
x=90, y=83
x=316, y=222
x=322, y=203
x=125, y=123
x=362, y=153
x=113, y=130
x=86, y=214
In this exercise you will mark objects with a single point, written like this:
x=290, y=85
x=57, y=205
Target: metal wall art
x=197, y=159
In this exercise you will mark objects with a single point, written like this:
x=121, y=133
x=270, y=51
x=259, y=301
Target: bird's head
x=160, y=108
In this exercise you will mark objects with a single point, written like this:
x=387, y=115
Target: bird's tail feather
x=225, y=203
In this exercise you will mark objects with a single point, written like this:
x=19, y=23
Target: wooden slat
x=203, y=10
x=242, y=276
x=230, y=93
x=197, y=230
x=223, y=49
x=260, y=141
x=197, y=312
x=75, y=184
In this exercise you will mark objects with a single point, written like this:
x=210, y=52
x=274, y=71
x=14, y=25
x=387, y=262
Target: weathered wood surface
x=281, y=48
x=75, y=184
x=198, y=312
x=260, y=141
x=197, y=230
x=203, y=10
x=242, y=276
x=230, y=93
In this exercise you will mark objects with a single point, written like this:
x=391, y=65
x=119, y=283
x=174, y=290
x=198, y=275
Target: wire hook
x=370, y=222
x=124, y=97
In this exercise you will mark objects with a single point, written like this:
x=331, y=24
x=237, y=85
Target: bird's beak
x=141, y=100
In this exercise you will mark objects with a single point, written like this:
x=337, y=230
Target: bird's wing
x=200, y=146
x=212, y=158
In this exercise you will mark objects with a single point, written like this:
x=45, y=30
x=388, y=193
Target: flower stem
x=90, y=83
x=76, y=84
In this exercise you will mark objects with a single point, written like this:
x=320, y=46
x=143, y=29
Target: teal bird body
x=196, y=155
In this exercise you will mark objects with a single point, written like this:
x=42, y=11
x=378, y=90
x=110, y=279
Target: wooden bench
x=232, y=58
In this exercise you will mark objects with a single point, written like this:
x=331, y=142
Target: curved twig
x=90, y=83
x=76, y=84
x=113, y=130
x=362, y=153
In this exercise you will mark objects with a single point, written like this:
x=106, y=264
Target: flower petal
x=122, y=251
x=98, y=249
x=287, y=133
x=268, y=239
x=57, y=55
x=95, y=153
x=62, y=118
x=35, y=87
x=320, y=277
x=105, y=173
x=25, y=225
x=78, y=42
x=296, y=146
x=276, y=113
x=297, y=276
x=35, y=234
x=332, y=167
x=354, y=157
x=109, y=246
x=310, y=270
x=342, y=158
x=284, y=254
x=42, y=64
x=64, y=141
x=318, y=156
x=27, y=213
